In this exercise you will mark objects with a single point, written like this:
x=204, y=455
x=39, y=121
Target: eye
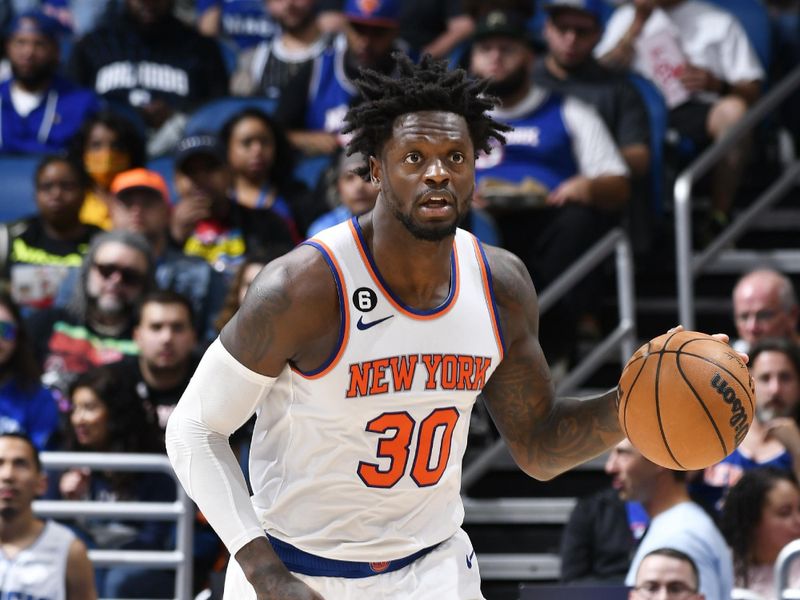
x=413, y=158
x=457, y=158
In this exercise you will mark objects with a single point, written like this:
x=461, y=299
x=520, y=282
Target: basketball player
x=42, y=560
x=362, y=352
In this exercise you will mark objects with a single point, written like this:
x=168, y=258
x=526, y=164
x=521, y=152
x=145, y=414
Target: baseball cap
x=35, y=21
x=595, y=8
x=378, y=13
x=203, y=143
x=505, y=23
x=140, y=178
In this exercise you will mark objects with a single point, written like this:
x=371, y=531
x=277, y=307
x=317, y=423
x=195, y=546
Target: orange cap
x=140, y=178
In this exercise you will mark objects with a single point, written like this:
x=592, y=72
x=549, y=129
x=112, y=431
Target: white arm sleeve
x=219, y=399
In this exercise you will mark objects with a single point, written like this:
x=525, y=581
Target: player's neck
x=419, y=273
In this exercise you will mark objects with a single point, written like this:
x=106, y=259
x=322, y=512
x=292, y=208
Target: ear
x=375, y=172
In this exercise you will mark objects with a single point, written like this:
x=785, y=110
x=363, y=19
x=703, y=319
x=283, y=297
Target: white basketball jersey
x=38, y=572
x=361, y=459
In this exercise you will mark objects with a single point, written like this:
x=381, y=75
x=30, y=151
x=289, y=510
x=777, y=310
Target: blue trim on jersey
x=342, y=316
x=305, y=563
x=387, y=289
x=492, y=297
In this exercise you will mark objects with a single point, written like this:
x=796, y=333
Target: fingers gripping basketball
x=686, y=400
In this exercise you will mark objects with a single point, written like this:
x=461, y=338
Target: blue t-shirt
x=688, y=528
x=32, y=411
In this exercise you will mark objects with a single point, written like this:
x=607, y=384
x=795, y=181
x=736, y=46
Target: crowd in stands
x=146, y=224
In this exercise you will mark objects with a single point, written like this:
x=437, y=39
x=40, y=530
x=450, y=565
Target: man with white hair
x=764, y=306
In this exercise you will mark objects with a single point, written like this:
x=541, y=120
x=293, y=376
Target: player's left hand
x=722, y=337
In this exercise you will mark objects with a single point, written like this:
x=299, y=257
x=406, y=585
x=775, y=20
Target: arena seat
x=19, y=193
x=212, y=116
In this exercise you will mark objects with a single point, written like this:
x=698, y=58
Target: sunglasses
x=127, y=275
x=8, y=331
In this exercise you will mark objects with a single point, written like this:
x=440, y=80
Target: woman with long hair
x=760, y=516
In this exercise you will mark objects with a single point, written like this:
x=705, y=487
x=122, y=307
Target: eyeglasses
x=676, y=590
x=127, y=275
x=8, y=331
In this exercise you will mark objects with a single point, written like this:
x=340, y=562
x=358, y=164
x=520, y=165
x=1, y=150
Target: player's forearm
x=576, y=430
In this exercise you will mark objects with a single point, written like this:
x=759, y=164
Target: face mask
x=103, y=165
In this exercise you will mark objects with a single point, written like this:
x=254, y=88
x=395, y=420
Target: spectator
x=239, y=23
x=701, y=59
x=40, y=559
x=266, y=69
x=764, y=305
x=313, y=105
x=435, y=27
x=675, y=521
x=26, y=406
x=761, y=515
x=572, y=30
x=106, y=417
x=354, y=194
x=774, y=436
x=106, y=144
x=40, y=111
x=149, y=60
x=245, y=274
x=166, y=340
x=97, y=326
x=670, y=570
x=140, y=203
x=206, y=222
x=262, y=164
x=559, y=183
x=600, y=537
x=37, y=252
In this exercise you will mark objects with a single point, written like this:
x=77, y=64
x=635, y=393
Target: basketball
x=686, y=400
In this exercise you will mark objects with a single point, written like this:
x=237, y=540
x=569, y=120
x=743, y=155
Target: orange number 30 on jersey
x=396, y=447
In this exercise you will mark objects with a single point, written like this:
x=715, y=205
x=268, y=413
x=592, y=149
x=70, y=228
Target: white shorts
x=450, y=571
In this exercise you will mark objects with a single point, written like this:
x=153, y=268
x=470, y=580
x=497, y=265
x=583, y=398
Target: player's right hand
x=288, y=588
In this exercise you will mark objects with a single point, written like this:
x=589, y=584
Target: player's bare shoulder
x=290, y=314
x=514, y=292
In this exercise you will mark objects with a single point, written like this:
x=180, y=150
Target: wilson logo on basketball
x=738, y=417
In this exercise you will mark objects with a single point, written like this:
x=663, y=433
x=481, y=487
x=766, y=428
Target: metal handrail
x=623, y=336
x=687, y=269
x=181, y=511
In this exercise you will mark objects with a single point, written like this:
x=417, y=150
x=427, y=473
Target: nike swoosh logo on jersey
x=364, y=326
x=469, y=560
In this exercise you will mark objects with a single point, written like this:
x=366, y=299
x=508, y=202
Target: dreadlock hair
x=742, y=514
x=423, y=87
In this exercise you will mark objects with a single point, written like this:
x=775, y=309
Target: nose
x=611, y=464
x=437, y=175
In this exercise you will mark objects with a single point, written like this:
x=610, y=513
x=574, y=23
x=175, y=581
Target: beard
x=35, y=78
x=430, y=233
x=299, y=26
x=515, y=82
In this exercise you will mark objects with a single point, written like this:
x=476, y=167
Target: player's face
x=20, y=479
x=165, y=335
x=632, y=474
x=116, y=278
x=777, y=384
x=657, y=575
x=780, y=521
x=427, y=172
x=8, y=335
x=571, y=36
x=759, y=312
x=89, y=419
